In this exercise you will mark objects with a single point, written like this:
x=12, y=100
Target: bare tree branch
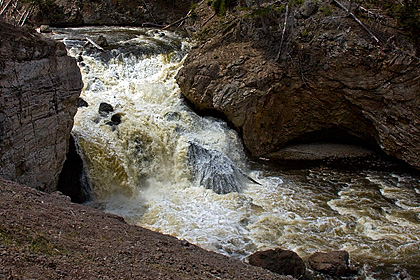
x=358, y=21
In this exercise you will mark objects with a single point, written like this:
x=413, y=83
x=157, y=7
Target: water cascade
x=163, y=167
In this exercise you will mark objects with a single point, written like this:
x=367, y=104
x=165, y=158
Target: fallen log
x=178, y=21
x=151, y=24
x=5, y=7
x=94, y=44
x=357, y=20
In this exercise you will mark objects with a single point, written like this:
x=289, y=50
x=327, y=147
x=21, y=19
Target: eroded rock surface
x=39, y=87
x=331, y=82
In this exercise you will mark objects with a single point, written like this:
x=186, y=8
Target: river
x=167, y=169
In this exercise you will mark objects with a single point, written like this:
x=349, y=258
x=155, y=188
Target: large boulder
x=280, y=261
x=331, y=83
x=334, y=263
x=39, y=87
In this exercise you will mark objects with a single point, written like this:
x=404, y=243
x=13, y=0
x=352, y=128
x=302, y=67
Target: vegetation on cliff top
x=405, y=16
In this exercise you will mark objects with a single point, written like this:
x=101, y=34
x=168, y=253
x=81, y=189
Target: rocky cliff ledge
x=329, y=81
x=39, y=87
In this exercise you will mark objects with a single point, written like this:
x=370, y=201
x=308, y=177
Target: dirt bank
x=45, y=236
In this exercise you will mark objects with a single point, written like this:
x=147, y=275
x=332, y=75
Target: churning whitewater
x=166, y=168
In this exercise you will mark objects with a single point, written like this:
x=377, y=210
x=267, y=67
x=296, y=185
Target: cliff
x=39, y=86
x=105, y=12
x=330, y=80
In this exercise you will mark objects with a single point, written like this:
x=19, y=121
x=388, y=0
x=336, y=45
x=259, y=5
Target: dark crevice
x=210, y=113
x=336, y=135
x=73, y=180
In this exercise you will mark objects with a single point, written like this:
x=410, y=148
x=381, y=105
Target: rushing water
x=163, y=168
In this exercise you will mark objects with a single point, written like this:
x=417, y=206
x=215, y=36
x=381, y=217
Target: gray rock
x=44, y=28
x=39, y=87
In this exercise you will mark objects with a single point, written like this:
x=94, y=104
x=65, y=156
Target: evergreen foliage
x=219, y=7
x=408, y=16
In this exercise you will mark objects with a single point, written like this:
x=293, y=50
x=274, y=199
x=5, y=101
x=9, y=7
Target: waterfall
x=163, y=167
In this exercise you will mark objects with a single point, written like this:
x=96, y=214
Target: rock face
x=109, y=12
x=39, y=87
x=279, y=261
x=331, y=82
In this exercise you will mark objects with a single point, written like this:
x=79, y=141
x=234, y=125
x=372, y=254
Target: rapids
x=164, y=166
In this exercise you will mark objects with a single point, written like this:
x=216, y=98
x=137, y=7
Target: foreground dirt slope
x=45, y=236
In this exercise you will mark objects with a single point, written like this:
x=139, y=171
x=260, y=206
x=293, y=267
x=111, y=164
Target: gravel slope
x=45, y=236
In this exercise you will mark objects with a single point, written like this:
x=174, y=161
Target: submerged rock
x=214, y=170
x=81, y=103
x=116, y=119
x=105, y=109
x=101, y=41
x=280, y=261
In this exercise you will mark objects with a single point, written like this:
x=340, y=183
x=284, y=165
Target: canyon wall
x=331, y=82
x=108, y=12
x=39, y=87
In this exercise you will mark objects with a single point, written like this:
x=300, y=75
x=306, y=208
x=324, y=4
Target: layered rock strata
x=331, y=82
x=39, y=87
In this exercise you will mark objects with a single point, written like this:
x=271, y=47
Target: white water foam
x=140, y=168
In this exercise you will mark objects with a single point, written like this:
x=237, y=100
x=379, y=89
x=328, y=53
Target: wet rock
x=333, y=263
x=101, y=41
x=44, y=28
x=280, y=261
x=105, y=108
x=81, y=103
x=214, y=170
x=173, y=116
x=116, y=119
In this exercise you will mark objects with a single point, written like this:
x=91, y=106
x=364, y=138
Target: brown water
x=375, y=215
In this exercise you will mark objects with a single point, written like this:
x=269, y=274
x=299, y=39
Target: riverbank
x=46, y=236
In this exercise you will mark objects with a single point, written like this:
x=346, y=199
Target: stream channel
x=170, y=170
